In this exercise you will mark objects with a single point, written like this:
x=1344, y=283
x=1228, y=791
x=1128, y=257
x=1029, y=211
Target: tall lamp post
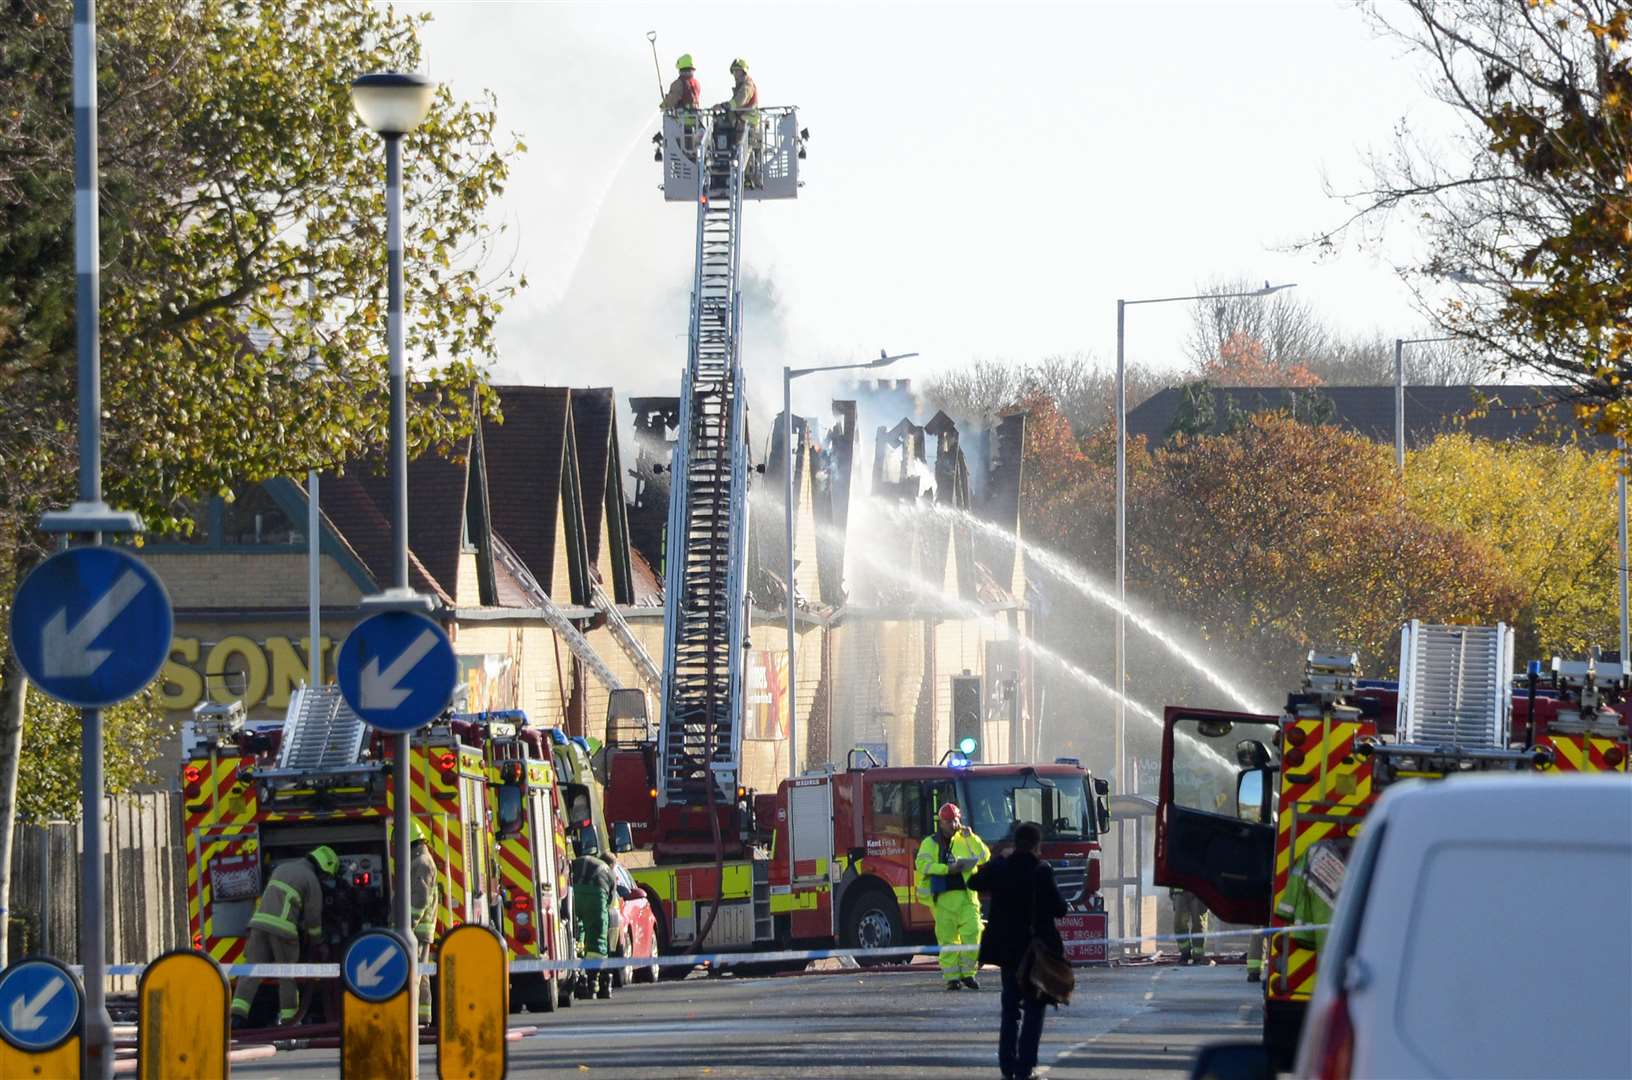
x=393, y=103
x=1124, y=782
x=788, y=375
x=1399, y=394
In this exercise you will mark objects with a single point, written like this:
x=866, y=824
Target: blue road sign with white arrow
x=376, y=965
x=39, y=1004
x=397, y=670
x=91, y=626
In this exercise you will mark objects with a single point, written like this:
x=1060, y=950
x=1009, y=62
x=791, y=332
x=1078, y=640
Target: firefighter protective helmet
x=950, y=812
x=739, y=64
x=326, y=860
x=421, y=834
x=684, y=63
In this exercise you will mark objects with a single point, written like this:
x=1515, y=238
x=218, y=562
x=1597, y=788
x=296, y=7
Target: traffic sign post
x=397, y=672
x=184, y=1026
x=91, y=626
x=378, y=1032
x=473, y=984
x=41, y=1013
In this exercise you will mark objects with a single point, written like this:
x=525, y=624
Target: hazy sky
x=983, y=181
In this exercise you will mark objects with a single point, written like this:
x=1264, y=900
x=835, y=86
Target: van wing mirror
x=1101, y=787
x=623, y=837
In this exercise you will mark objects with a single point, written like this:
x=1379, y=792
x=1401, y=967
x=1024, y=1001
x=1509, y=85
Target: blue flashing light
x=581, y=741
x=956, y=759
x=557, y=736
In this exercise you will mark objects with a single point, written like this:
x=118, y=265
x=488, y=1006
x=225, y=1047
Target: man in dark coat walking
x=1025, y=903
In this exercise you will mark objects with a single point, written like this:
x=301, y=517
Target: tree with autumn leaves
x=1279, y=536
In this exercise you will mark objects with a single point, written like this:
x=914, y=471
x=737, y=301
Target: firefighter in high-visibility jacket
x=292, y=902
x=945, y=857
x=422, y=902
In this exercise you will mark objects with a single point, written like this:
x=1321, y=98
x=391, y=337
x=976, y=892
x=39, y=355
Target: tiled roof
x=363, y=524
x=524, y=467
x=1489, y=412
x=592, y=413
x=436, y=512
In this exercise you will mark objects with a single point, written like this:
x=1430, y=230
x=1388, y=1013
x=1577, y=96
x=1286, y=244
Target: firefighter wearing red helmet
x=945, y=858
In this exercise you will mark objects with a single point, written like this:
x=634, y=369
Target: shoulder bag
x=1044, y=972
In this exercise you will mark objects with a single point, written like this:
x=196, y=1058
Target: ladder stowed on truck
x=484, y=788
x=1265, y=841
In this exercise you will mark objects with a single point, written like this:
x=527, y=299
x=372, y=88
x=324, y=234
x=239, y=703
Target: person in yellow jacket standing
x=945, y=858
x=291, y=902
x=423, y=899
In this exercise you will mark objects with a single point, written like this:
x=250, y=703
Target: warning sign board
x=1084, y=936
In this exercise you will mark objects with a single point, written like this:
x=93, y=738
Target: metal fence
x=146, y=874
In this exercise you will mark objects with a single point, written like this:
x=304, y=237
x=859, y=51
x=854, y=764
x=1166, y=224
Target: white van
x=1484, y=930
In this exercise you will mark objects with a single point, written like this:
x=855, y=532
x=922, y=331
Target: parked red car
x=635, y=927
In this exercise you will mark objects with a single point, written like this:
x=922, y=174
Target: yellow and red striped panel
x=1321, y=776
x=1585, y=753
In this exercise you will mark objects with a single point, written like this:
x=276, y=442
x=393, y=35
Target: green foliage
x=242, y=202
x=243, y=264
x=1547, y=516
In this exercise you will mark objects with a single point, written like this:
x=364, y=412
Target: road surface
x=1143, y=1022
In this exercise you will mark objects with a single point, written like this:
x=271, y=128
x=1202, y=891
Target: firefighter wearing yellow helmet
x=423, y=901
x=291, y=903
x=685, y=92
x=945, y=858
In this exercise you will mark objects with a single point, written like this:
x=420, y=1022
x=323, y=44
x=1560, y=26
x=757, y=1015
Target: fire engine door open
x=810, y=832
x=1215, y=830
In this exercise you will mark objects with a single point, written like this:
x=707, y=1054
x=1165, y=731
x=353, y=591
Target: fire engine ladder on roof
x=320, y=731
x=699, y=737
x=1455, y=685
x=645, y=666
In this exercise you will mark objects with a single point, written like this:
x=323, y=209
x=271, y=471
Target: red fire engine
x=253, y=799
x=1257, y=811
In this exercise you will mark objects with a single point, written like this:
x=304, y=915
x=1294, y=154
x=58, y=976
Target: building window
x=255, y=518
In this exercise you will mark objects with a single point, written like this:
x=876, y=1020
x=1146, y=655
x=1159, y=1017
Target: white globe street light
x=392, y=102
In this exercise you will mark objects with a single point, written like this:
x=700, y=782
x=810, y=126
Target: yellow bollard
x=184, y=1027
x=473, y=989
x=379, y=1035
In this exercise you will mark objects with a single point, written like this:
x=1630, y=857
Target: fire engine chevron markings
x=28, y=1014
x=382, y=690
x=67, y=654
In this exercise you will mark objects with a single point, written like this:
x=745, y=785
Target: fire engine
x=484, y=788
x=828, y=857
x=1254, y=809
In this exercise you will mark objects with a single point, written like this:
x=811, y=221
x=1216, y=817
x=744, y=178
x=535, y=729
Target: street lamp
x=1399, y=394
x=1124, y=784
x=393, y=103
x=788, y=375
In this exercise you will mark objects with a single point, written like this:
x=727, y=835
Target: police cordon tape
x=725, y=959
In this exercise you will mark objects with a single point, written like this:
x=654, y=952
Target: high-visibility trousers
x=265, y=948
x=957, y=922
x=1255, y=952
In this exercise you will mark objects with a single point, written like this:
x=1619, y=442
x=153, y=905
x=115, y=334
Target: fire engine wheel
x=872, y=920
x=540, y=993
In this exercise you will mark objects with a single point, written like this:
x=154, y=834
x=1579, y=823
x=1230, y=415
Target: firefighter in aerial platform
x=685, y=97
x=292, y=902
x=740, y=115
x=423, y=900
x=944, y=860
